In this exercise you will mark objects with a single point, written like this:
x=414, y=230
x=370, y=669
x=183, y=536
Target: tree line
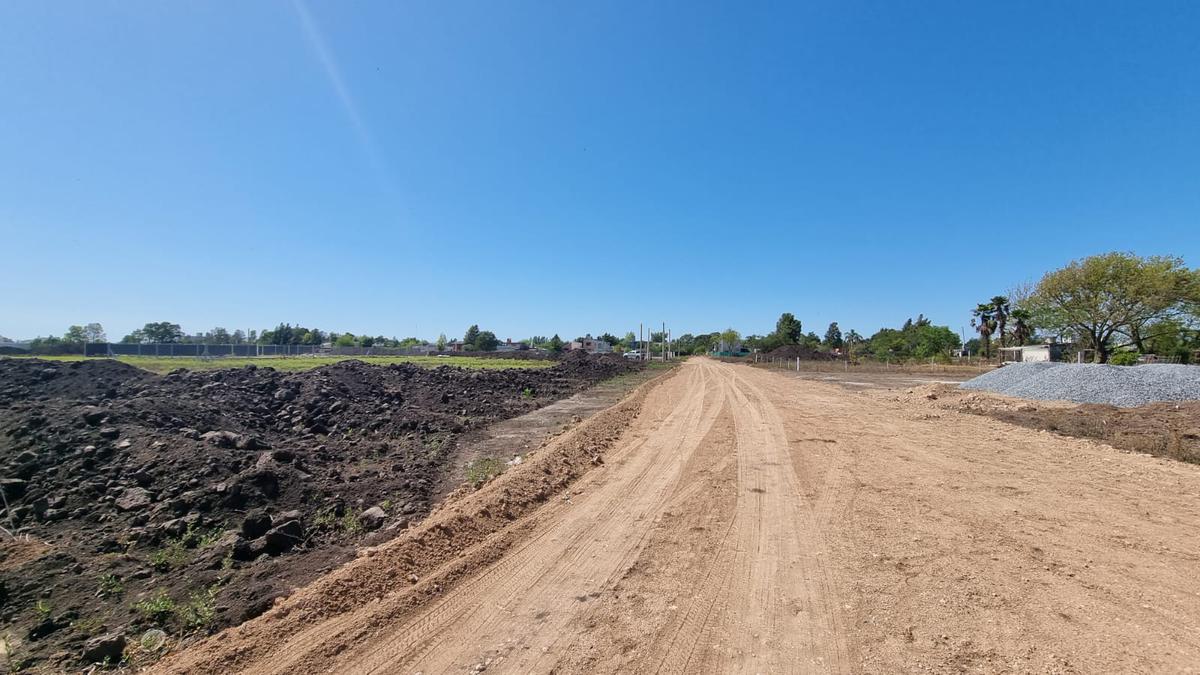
x=1118, y=306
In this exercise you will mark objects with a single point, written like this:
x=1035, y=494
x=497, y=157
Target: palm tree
x=985, y=324
x=1022, y=331
x=1000, y=311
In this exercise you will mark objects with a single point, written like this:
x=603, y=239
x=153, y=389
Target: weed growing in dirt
x=527, y=393
x=350, y=524
x=156, y=610
x=109, y=586
x=43, y=609
x=173, y=555
x=90, y=626
x=329, y=520
x=200, y=610
x=484, y=469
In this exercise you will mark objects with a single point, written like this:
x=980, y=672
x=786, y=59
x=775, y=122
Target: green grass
x=484, y=469
x=165, y=364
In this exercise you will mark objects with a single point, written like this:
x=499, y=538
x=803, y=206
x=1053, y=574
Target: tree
x=486, y=341
x=1022, y=329
x=855, y=343
x=162, y=331
x=1115, y=293
x=94, y=332
x=75, y=335
x=366, y=341
x=1000, y=309
x=933, y=341
x=441, y=342
x=344, y=340
x=890, y=344
x=787, y=329
x=217, y=336
x=471, y=335
x=730, y=339
x=985, y=325
x=554, y=345
x=833, y=336
x=238, y=337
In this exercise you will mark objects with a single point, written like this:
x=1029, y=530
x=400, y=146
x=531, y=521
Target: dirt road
x=745, y=521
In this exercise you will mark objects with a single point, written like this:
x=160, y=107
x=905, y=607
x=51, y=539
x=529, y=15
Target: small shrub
x=200, y=610
x=1124, y=359
x=173, y=554
x=328, y=519
x=109, y=586
x=527, y=393
x=157, y=609
x=350, y=524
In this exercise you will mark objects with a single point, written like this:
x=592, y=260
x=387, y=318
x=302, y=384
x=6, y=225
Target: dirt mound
x=32, y=378
x=191, y=501
x=798, y=351
x=468, y=531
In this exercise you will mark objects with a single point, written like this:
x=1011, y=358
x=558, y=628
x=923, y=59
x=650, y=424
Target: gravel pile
x=1123, y=386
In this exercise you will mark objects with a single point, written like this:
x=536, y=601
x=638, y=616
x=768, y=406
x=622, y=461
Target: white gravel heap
x=1123, y=386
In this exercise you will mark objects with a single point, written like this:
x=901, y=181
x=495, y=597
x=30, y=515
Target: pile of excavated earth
x=1122, y=386
x=138, y=507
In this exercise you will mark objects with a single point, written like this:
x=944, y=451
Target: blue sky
x=539, y=167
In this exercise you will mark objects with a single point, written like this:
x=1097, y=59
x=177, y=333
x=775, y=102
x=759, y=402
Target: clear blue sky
x=400, y=167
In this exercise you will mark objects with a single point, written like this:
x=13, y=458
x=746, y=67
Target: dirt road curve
x=746, y=521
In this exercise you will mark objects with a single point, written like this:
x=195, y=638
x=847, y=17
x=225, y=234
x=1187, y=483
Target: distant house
x=591, y=345
x=1047, y=351
x=735, y=348
x=510, y=346
x=456, y=346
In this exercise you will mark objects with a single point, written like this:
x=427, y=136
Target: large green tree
x=788, y=329
x=1101, y=297
x=833, y=336
x=486, y=341
x=160, y=331
x=471, y=335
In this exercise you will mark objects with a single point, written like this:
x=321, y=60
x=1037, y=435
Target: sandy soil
x=731, y=519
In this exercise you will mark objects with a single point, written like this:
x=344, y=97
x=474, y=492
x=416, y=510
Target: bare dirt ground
x=728, y=519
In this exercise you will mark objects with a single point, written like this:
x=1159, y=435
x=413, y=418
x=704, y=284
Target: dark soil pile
x=797, y=351
x=191, y=501
x=1163, y=429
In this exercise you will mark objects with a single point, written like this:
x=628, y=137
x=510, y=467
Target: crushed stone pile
x=1122, y=386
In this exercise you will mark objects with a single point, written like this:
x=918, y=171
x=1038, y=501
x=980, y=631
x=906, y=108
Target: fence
x=244, y=350
x=973, y=366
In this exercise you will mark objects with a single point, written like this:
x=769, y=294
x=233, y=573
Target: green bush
x=1124, y=359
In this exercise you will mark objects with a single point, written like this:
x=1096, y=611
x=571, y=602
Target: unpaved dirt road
x=746, y=521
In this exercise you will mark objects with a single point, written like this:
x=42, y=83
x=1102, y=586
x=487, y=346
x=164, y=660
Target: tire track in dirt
x=779, y=612
x=746, y=521
x=538, y=586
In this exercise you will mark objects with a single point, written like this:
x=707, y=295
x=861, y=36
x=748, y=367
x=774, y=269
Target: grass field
x=165, y=364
